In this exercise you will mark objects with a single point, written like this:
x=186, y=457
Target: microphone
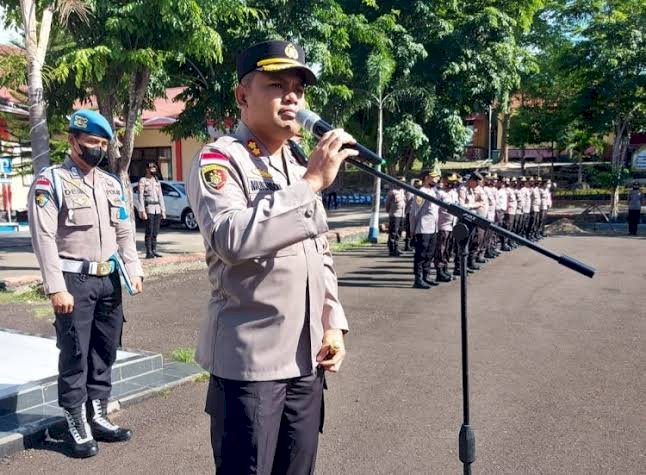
x=313, y=123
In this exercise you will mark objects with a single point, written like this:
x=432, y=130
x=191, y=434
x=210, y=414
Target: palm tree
x=36, y=43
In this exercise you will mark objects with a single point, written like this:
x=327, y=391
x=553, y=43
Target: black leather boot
x=81, y=444
x=149, y=248
x=442, y=275
x=419, y=282
x=471, y=264
x=102, y=428
x=153, y=247
x=427, y=278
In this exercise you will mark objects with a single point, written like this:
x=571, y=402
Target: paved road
x=557, y=371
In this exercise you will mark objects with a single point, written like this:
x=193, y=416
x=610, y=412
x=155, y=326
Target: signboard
x=5, y=165
x=639, y=160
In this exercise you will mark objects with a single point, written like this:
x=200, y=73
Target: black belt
x=152, y=202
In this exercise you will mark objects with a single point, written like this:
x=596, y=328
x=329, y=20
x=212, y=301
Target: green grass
x=164, y=393
x=202, y=377
x=349, y=245
x=33, y=295
x=183, y=355
x=43, y=312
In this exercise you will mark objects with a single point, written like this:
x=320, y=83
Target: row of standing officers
x=517, y=204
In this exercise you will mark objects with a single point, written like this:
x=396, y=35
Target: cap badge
x=80, y=122
x=290, y=51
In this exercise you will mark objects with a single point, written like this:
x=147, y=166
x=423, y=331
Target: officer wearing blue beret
x=82, y=237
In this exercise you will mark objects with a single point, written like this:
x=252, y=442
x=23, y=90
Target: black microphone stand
x=467, y=221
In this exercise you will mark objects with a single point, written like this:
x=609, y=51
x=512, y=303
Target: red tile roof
x=165, y=112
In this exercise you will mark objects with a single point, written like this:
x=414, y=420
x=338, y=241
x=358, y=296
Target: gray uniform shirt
x=446, y=220
x=520, y=200
x=635, y=199
x=78, y=216
x=396, y=203
x=151, y=198
x=512, y=203
x=270, y=266
x=424, y=214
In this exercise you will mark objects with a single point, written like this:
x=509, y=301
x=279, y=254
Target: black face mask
x=93, y=156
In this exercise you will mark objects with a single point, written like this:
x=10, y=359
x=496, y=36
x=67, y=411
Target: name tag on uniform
x=258, y=185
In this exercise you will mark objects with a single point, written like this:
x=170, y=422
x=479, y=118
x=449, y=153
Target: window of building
x=142, y=156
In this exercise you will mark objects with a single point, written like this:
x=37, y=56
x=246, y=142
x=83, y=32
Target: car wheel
x=188, y=218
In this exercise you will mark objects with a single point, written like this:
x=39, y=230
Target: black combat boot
x=79, y=435
x=471, y=264
x=102, y=428
x=149, y=248
x=427, y=278
x=419, y=282
x=153, y=247
x=407, y=247
x=442, y=275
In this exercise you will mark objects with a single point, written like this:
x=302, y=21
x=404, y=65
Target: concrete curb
x=350, y=234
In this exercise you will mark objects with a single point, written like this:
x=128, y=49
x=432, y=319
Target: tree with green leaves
x=36, y=37
x=607, y=60
x=123, y=54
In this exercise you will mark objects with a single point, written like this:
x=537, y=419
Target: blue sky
x=6, y=35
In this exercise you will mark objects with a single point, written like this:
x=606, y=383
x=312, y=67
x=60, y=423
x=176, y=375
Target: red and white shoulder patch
x=43, y=184
x=213, y=157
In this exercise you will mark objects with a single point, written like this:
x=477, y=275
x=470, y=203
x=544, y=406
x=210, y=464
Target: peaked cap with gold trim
x=270, y=56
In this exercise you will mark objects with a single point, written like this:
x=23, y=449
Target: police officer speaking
x=81, y=233
x=274, y=318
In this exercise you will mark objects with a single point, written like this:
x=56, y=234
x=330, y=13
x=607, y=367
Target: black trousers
x=520, y=223
x=476, y=244
x=266, y=427
x=633, y=221
x=395, y=225
x=88, y=338
x=443, y=248
x=409, y=235
x=331, y=200
x=541, y=226
x=531, y=224
x=152, y=228
x=424, y=250
x=509, y=225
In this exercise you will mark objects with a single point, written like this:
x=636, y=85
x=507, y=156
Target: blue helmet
x=90, y=122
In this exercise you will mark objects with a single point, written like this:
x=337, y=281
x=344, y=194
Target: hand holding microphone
x=335, y=145
x=326, y=158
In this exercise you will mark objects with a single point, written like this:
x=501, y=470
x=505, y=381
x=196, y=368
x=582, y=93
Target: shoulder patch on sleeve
x=214, y=175
x=41, y=198
x=213, y=157
x=43, y=184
